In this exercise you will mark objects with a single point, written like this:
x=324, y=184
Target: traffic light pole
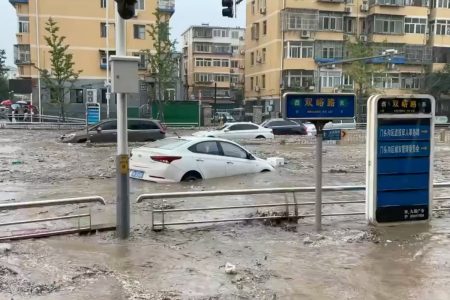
x=122, y=158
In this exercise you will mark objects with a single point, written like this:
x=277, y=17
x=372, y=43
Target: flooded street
x=274, y=260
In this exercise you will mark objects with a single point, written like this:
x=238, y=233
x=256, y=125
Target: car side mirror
x=99, y=129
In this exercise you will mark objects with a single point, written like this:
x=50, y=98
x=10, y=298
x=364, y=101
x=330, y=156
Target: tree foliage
x=162, y=61
x=438, y=83
x=361, y=71
x=61, y=73
x=4, y=88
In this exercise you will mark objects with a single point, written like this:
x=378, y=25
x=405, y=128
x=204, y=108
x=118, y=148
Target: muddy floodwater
x=272, y=260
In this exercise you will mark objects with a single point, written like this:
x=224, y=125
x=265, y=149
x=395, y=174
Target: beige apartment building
x=287, y=39
x=213, y=63
x=89, y=28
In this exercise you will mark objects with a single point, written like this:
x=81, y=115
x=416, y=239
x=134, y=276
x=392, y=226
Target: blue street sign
x=332, y=135
x=319, y=106
x=92, y=113
x=400, y=145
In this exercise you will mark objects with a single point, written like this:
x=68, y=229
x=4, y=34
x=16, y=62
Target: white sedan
x=239, y=130
x=192, y=158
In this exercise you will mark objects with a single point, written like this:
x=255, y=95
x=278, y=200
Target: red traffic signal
x=227, y=10
x=126, y=8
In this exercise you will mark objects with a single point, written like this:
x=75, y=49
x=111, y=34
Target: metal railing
x=47, y=203
x=288, y=216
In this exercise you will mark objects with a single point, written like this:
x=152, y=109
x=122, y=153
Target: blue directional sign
x=332, y=135
x=403, y=159
x=92, y=113
x=319, y=106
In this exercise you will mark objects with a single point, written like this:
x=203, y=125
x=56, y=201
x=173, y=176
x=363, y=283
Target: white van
x=341, y=124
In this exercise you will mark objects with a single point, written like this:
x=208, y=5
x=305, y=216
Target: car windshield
x=167, y=144
x=221, y=128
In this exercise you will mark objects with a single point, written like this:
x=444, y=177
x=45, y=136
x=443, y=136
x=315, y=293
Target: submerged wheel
x=191, y=176
x=261, y=137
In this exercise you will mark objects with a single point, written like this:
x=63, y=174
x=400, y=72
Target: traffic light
x=227, y=10
x=126, y=8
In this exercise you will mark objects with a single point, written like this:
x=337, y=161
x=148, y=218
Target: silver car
x=139, y=130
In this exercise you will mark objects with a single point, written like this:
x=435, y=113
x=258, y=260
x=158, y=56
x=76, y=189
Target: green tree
x=61, y=74
x=162, y=61
x=361, y=72
x=4, y=87
x=438, y=83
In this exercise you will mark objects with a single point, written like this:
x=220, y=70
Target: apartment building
x=213, y=63
x=286, y=40
x=89, y=28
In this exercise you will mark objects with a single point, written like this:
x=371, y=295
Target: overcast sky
x=187, y=13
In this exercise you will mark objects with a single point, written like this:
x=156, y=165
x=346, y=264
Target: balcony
x=167, y=6
x=14, y=2
x=333, y=1
x=22, y=55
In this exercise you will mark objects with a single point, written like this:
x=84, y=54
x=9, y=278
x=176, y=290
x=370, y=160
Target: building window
x=386, y=81
x=103, y=30
x=103, y=3
x=410, y=81
x=142, y=64
x=330, y=21
x=235, y=34
x=252, y=58
x=441, y=27
x=202, y=77
x=349, y=25
x=264, y=28
x=104, y=100
x=299, y=79
x=139, y=32
x=441, y=4
x=140, y=5
x=415, y=25
x=251, y=83
x=225, y=63
x=299, y=50
x=347, y=81
x=200, y=47
x=221, y=77
x=76, y=96
x=263, y=81
x=24, y=24
x=253, y=7
x=203, y=32
x=330, y=79
x=263, y=57
x=388, y=25
x=234, y=64
x=220, y=33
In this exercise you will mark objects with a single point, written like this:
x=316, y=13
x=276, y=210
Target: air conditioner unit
x=241, y=38
x=305, y=34
x=91, y=96
x=242, y=52
x=256, y=88
x=231, y=71
x=232, y=84
x=331, y=66
x=363, y=38
x=348, y=10
x=136, y=14
x=364, y=7
x=262, y=10
x=241, y=67
x=258, y=59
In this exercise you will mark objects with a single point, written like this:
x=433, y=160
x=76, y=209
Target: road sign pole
x=123, y=180
x=318, y=172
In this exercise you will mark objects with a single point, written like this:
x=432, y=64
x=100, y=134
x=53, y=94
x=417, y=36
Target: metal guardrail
x=47, y=203
x=287, y=205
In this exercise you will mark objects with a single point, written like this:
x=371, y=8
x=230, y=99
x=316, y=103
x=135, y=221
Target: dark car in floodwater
x=139, y=130
x=285, y=127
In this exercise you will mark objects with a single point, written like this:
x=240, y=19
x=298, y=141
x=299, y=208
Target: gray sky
x=187, y=13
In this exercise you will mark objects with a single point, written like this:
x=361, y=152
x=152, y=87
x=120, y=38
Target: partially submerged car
x=239, y=130
x=139, y=130
x=192, y=158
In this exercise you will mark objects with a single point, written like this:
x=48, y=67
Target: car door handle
x=230, y=163
x=199, y=159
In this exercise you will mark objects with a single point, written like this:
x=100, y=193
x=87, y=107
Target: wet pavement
x=274, y=260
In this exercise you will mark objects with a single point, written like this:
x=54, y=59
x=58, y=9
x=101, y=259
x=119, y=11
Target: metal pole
x=38, y=50
x=215, y=102
x=320, y=78
x=318, y=171
x=123, y=181
x=107, y=83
